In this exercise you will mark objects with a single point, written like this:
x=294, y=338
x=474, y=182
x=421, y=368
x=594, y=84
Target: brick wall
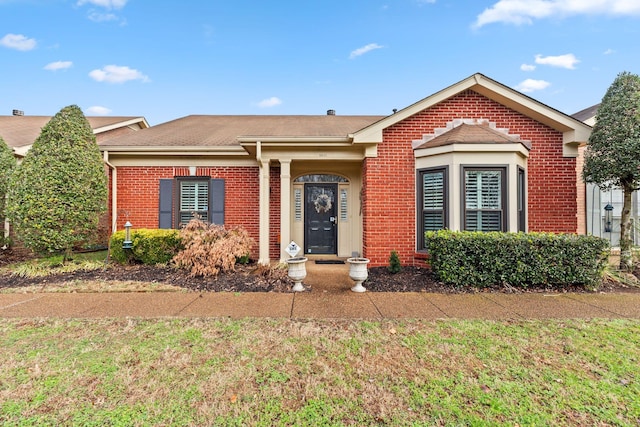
x=389, y=196
x=138, y=196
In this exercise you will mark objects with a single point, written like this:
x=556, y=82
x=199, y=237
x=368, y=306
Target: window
x=181, y=197
x=484, y=199
x=432, y=203
x=194, y=201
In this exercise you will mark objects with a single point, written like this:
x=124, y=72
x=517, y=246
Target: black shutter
x=166, y=203
x=216, y=201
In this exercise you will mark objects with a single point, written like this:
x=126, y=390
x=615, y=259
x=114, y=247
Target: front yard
x=284, y=372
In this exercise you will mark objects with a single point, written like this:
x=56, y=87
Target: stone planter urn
x=358, y=272
x=297, y=271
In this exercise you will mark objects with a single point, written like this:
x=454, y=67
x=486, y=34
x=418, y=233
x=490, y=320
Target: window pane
x=433, y=190
x=483, y=189
x=483, y=200
x=433, y=221
x=194, y=199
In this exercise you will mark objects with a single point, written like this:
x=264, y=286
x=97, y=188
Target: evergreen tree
x=612, y=159
x=59, y=191
x=7, y=165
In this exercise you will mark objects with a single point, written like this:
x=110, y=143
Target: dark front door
x=321, y=232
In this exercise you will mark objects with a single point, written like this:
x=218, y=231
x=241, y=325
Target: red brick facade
x=139, y=188
x=389, y=180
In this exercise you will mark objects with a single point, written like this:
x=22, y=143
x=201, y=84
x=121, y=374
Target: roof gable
x=574, y=132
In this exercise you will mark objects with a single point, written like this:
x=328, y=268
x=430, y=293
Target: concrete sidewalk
x=329, y=297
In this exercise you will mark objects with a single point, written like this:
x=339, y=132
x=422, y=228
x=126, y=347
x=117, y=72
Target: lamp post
x=127, y=244
x=608, y=218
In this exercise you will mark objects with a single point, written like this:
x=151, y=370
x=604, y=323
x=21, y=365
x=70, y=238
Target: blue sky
x=168, y=59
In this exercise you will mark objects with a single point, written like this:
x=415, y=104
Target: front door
x=321, y=232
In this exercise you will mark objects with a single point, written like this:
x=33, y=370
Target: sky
x=166, y=59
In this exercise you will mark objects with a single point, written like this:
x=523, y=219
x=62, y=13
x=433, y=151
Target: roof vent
x=331, y=112
x=18, y=113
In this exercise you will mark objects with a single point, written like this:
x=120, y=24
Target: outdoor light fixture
x=127, y=244
x=608, y=218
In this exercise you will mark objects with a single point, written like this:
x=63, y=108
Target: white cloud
x=520, y=12
x=107, y=4
x=58, y=65
x=527, y=67
x=426, y=1
x=364, y=49
x=270, y=102
x=531, y=85
x=117, y=74
x=608, y=52
x=101, y=17
x=97, y=110
x=18, y=42
x=568, y=61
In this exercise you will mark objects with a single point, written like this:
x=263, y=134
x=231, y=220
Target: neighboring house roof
x=588, y=115
x=21, y=131
x=225, y=131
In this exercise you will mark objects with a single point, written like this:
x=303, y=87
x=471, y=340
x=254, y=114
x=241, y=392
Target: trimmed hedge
x=150, y=246
x=478, y=259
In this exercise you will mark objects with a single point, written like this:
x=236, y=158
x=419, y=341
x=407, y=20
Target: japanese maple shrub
x=210, y=248
x=59, y=190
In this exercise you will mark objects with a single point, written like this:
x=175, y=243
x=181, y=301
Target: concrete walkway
x=329, y=297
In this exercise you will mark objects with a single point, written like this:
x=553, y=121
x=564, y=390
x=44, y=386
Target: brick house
x=476, y=155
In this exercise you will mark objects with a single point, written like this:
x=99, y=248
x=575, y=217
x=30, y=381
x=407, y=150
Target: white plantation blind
x=194, y=198
x=433, y=200
x=433, y=190
x=483, y=200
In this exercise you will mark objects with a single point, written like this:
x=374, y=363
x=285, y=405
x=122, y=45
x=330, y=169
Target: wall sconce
x=608, y=218
x=127, y=244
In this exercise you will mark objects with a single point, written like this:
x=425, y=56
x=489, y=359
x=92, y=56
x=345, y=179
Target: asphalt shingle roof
x=18, y=131
x=223, y=130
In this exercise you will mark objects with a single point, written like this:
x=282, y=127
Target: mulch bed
x=252, y=278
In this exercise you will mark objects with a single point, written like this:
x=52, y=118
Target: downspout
x=114, y=191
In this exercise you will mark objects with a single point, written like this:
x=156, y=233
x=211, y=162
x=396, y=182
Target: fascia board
x=138, y=120
x=173, y=150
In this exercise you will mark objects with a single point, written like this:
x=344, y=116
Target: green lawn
x=285, y=372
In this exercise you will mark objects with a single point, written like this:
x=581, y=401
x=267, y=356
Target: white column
x=264, y=212
x=285, y=206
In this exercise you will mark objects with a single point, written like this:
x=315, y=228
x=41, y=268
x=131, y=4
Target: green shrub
x=394, y=263
x=210, y=248
x=56, y=195
x=150, y=246
x=479, y=259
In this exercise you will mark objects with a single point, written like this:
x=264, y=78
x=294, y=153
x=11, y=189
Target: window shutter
x=216, y=201
x=166, y=203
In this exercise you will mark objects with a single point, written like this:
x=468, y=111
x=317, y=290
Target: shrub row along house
x=477, y=155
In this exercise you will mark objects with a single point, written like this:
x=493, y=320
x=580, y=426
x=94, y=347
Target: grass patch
x=285, y=372
x=41, y=267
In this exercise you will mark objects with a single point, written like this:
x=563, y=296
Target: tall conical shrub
x=59, y=191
